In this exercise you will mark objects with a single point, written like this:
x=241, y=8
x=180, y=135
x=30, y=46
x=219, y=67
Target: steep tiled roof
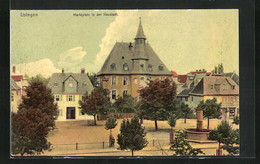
x=122, y=55
x=14, y=86
x=136, y=58
x=79, y=77
x=182, y=78
x=234, y=76
x=174, y=74
x=17, y=77
x=196, y=72
x=214, y=85
x=186, y=92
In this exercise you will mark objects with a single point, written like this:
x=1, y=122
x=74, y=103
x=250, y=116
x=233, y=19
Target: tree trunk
x=185, y=120
x=132, y=152
x=95, y=123
x=171, y=135
x=208, y=124
x=155, y=123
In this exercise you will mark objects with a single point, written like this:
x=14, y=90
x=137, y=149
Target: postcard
x=124, y=82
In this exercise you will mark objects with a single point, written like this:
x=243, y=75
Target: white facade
x=68, y=106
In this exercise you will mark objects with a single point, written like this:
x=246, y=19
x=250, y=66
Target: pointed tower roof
x=140, y=32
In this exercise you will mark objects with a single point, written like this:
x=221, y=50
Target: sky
x=185, y=40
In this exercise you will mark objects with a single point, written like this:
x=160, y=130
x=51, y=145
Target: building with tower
x=130, y=65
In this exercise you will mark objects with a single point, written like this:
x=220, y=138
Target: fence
x=80, y=146
x=158, y=145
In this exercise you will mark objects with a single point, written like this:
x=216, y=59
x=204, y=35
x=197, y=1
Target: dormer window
x=224, y=87
x=71, y=85
x=125, y=67
x=84, y=83
x=142, y=66
x=160, y=67
x=150, y=67
x=113, y=66
x=233, y=87
x=55, y=84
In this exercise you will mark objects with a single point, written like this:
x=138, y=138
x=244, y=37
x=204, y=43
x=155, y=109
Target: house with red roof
x=19, y=80
x=203, y=87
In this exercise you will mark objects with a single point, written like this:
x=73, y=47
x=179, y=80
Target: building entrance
x=70, y=113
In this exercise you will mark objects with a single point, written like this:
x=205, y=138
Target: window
x=113, y=94
x=160, y=67
x=232, y=112
x=162, y=78
x=186, y=98
x=224, y=87
x=142, y=78
x=12, y=98
x=123, y=57
x=113, y=80
x=70, y=98
x=125, y=67
x=150, y=67
x=55, y=84
x=113, y=66
x=57, y=97
x=192, y=98
x=125, y=82
x=142, y=66
x=71, y=85
x=125, y=92
x=70, y=79
x=224, y=99
x=211, y=86
x=84, y=84
x=233, y=87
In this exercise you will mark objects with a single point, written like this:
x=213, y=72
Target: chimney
x=62, y=70
x=82, y=70
x=13, y=69
x=130, y=45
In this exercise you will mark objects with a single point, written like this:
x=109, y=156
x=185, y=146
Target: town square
x=125, y=83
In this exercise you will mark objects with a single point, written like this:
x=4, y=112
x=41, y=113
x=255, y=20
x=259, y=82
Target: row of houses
x=127, y=69
x=200, y=86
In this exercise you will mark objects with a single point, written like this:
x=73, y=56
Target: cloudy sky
x=185, y=40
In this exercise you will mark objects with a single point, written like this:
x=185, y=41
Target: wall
x=63, y=104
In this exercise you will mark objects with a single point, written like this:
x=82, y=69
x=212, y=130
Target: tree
x=95, y=103
x=219, y=69
x=172, y=122
x=125, y=104
x=211, y=109
x=30, y=128
x=94, y=79
x=38, y=96
x=132, y=135
x=154, y=99
x=226, y=135
x=111, y=124
x=185, y=111
x=231, y=143
x=236, y=120
x=37, y=78
x=181, y=147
